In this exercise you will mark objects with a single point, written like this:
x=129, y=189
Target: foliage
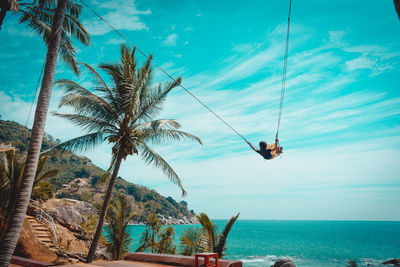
x=88, y=226
x=156, y=238
x=352, y=263
x=191, y=241
x=211, y=239
x=11, y=171
x=68, y=163
x=43, y=191
x=38, y=15
x=118, y=217
x=122, y=114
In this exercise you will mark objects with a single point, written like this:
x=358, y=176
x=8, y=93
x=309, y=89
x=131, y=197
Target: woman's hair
x=263, y=145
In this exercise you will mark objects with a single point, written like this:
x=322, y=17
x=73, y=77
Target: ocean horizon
x=309, y=243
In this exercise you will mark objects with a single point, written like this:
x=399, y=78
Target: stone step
x=42, y=228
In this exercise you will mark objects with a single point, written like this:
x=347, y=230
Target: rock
x=395, y=262
x=69, y=212
x=284, y=263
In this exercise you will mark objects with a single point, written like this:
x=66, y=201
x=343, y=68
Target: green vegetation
x=208, y=238
x=11, y=170
x=70, y=166
x=157, y=238
x=118, y=217
x=124, y=115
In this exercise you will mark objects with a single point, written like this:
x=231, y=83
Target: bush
x=43, y=191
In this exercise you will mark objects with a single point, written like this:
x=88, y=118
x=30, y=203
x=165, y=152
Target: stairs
x=42, y=232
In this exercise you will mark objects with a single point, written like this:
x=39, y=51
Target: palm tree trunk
x=103, y=213
x=9, y=242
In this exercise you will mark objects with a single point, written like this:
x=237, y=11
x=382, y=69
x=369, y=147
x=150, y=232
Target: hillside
x=78, y=178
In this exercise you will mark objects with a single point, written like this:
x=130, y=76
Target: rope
x=34, y=96
x=165, y=72
x=283, y=85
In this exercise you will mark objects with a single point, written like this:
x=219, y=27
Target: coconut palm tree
x=11, y=171
x=39, y=14
x=119, y=214
x=213, y=241
x=123, y=114
x=7, y=246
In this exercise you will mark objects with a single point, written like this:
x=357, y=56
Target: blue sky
x=341, y=121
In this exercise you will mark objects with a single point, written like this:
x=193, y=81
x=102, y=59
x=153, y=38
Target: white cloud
x=123, y=15
x=171, y=40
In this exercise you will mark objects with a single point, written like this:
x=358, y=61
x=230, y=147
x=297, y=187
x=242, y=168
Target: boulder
x=69, y=212
x=284, y=263
x=395, y=262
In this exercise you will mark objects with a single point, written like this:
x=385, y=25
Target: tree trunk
x=9, y=242
x=107, y=199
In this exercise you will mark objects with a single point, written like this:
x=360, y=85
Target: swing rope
x=283, y=85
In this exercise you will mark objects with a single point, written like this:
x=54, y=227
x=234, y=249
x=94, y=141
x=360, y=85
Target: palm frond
x=87, y=123
x=152, y=157
x=152, y=103
x=223, y=237
x=210, y=229
x=81, y=143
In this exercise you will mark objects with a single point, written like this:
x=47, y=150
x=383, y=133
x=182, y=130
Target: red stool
x=206, y=257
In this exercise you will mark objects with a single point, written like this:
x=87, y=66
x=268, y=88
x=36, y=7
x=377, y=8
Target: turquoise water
x=307, y=243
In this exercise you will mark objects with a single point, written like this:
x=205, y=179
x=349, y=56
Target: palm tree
x=160, y=239
x=11, y=180
x=191, y=241
x=7, y=246
x=39, y=14
x=123, y=114
x=118, y=217
x=213, y=241
x=148, y=239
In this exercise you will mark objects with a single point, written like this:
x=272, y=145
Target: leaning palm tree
x=123, y=114
x=9, y=242
x=213, y=241
x=119, y=214
x=38, y=15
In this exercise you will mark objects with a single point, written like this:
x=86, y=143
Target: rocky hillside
x=78, y=179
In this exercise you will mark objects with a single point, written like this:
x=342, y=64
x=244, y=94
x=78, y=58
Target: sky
x=340, y=126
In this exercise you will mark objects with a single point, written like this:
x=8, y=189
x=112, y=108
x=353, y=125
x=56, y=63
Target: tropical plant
x=123, y=115
x=119, y=214
x=11, y=171
x=39, y=14
x=212, y=239
x=9, y=242
x=157, y=238
x=191, y=241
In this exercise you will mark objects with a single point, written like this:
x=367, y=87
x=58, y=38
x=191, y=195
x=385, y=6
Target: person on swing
x=268, y=152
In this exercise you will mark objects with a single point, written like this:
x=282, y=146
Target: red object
x=206, y=257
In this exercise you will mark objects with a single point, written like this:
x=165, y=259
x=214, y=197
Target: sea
x=260, y=243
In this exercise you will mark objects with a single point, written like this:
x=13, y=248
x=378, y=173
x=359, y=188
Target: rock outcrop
x=284, y=263
x=395, y=262
x=69, y=212
x=182, y=220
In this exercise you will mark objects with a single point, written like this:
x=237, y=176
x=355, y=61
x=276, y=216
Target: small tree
x=157, y=238
x=119, y=214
